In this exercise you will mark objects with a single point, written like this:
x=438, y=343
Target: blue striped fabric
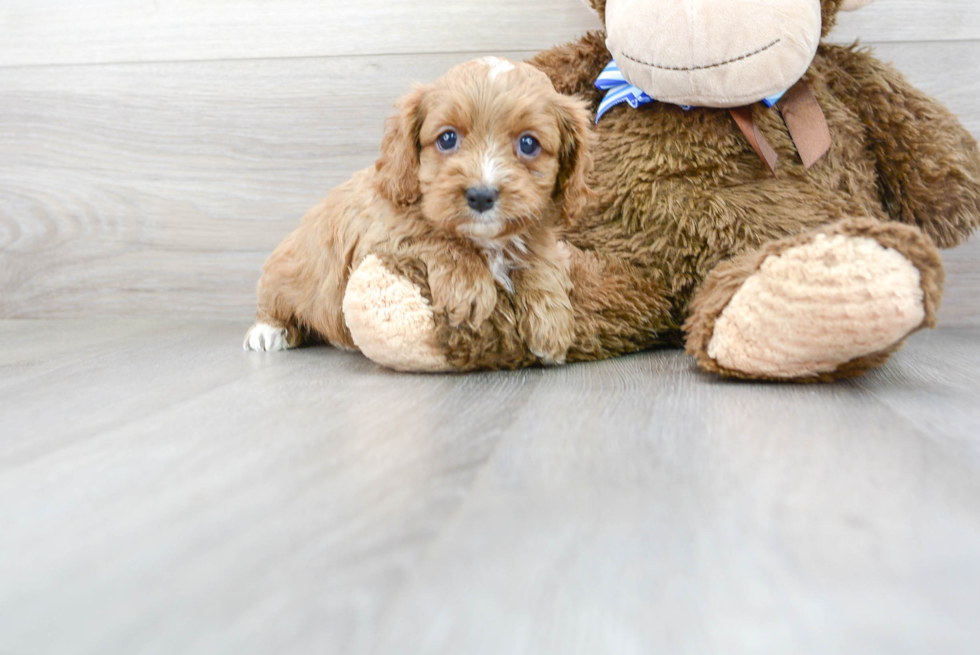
x=619, y=90
x=773, y=99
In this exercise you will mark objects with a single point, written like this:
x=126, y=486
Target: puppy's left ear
x=398, y=166
x=574, y=155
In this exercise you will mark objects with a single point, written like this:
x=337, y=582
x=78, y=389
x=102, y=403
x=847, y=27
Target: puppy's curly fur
x=477, y=173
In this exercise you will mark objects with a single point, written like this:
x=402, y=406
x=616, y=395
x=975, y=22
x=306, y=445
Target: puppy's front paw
x=548, y=328
x=263, y=337
x=465, y=298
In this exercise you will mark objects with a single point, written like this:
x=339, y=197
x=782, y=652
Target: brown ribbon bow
x=804, y=119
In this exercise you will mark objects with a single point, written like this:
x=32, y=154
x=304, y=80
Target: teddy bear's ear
x=398, y=167
x=574, y=155
x=851, y=5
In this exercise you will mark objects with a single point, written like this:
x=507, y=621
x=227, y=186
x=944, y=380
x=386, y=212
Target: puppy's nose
x=482, y=199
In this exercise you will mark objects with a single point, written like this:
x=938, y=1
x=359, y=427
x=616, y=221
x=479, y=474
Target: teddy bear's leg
x=389, y=317
x=824, y=305
x=617, y=309
x=388, y=310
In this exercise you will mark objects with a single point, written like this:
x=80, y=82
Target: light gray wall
x=153, y=153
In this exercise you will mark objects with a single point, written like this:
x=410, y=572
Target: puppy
x=477, y=173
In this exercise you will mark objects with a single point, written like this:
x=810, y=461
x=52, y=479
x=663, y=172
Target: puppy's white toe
x=262, y=337
x=548, y=359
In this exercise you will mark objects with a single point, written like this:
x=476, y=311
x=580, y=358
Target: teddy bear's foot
x=822, y=306
x=390, y=321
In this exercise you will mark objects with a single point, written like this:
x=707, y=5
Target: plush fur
x=459, y=136
x=685, y=211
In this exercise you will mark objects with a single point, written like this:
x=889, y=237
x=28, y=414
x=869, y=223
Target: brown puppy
x=476, y=174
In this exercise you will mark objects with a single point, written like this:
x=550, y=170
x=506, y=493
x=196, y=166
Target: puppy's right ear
x=575, y=155
x=398, y=166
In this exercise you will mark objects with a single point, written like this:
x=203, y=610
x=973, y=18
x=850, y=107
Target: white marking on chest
x=498, y=66
x=504, y=257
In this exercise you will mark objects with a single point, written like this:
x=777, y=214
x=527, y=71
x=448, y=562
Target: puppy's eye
x=528, y=146
x=447, y=141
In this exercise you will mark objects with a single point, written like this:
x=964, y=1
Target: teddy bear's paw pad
x=390, y=321
x=263, y=337
x=817, y=306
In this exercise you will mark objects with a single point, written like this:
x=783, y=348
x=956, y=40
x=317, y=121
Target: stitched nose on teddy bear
x=482, y=199
x=713, y=53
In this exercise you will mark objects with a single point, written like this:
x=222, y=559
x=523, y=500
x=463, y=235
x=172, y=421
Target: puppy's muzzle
x=482, y=199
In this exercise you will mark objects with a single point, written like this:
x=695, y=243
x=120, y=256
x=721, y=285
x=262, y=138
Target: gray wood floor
x=162, y=491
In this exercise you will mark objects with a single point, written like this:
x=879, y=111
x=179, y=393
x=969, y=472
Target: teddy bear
x=771, y=202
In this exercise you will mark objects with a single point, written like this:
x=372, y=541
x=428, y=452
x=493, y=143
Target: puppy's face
x=488, y=149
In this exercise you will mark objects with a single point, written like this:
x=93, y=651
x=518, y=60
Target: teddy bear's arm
x=928, y=164
x=574, y=67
